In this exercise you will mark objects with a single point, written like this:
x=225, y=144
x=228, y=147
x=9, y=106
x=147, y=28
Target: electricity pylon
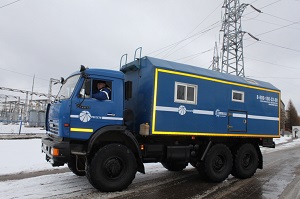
x=232, y=49
x=215, y=64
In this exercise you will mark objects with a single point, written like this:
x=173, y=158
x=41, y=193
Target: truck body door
x=237, y=121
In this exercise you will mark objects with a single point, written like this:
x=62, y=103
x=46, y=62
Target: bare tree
x=283, y=119
x=292, y=116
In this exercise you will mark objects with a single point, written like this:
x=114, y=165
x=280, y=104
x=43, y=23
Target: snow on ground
x=24, y=155
x=21, y=155
x=282, y=139
x=15, y=129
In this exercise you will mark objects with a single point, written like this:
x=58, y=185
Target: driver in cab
x=103, y=92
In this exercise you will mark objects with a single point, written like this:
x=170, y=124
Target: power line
x=254, y=1
x=16, y=72
x=271, y=4
x=254, y=18
x=292, y=22
x=194, y=29
x=25, y=91
x=282, y=27
x=166, y=48
x=279, y=28
x=9, y=4
x=275, y=45
x=190, y=42
x=283, y=47
x=281, y=18
x=172, y=46
x=194, y=55
x=22, y=74
x=275, y=77
x=278, y=17
x=263, y=6
x=273, y=64
x=205, y=19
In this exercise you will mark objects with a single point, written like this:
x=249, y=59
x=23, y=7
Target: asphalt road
x=280, y=178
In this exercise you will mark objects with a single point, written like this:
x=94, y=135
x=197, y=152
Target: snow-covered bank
x=22, y=156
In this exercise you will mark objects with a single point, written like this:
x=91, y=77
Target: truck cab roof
x=102, y=72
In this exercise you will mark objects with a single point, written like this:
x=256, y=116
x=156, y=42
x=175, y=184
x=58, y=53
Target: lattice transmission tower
x=232, y=49
x=215, y=63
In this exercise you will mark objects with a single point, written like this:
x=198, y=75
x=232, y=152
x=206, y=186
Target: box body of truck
x=178, y=99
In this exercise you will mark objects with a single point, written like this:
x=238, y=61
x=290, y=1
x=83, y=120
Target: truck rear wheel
x=79, y=167
x=174, y=166
x=245, y=162
x=218, y=163
x=112, y=168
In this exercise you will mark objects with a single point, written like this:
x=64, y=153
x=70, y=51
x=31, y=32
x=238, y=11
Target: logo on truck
x=85, y=116
x=182, y=110
x=218, y=113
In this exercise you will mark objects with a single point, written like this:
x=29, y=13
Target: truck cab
x=76, y=123
x=75, y=114
x=88, y=114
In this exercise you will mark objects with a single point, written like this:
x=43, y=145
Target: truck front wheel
x=112, y=168
x=245, y=162
x=218, y=163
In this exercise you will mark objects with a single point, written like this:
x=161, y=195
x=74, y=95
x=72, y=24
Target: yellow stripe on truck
x=83, y=130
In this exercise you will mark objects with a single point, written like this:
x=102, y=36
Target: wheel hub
x=218, y=162
x=113, y=167
x=247, y=160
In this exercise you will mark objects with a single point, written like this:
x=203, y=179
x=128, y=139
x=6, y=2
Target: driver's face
x=100, y=85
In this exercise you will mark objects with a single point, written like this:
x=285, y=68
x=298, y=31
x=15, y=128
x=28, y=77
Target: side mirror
x=82, y=68
x=62, y=80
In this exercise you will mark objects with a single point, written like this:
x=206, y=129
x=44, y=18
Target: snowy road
x=277, y=179
x=279, y=174
x=67, y=185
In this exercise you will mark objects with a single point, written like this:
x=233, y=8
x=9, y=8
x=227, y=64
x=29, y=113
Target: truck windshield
x=67, y=88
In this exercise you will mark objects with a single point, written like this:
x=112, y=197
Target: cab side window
x=85, y=91
x=102, y=89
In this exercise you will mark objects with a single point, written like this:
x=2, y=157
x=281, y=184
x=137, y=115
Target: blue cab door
x=89, y=114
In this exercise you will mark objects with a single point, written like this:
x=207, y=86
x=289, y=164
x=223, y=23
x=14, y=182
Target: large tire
x=245, y=161
x=174, y=166
x=218, y=163
x=112, y=168
x=79, y=168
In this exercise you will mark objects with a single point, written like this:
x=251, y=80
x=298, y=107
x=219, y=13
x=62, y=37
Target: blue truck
x=160, y=111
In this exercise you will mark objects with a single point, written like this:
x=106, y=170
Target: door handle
x=111, y=114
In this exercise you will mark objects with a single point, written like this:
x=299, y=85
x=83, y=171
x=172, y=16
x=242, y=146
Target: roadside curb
x=21, y=136
x=23, y=175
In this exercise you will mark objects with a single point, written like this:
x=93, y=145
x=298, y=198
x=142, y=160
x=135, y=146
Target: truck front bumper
x=57, y=152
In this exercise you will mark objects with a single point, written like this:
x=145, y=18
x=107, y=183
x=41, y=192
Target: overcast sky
x=50, y=39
